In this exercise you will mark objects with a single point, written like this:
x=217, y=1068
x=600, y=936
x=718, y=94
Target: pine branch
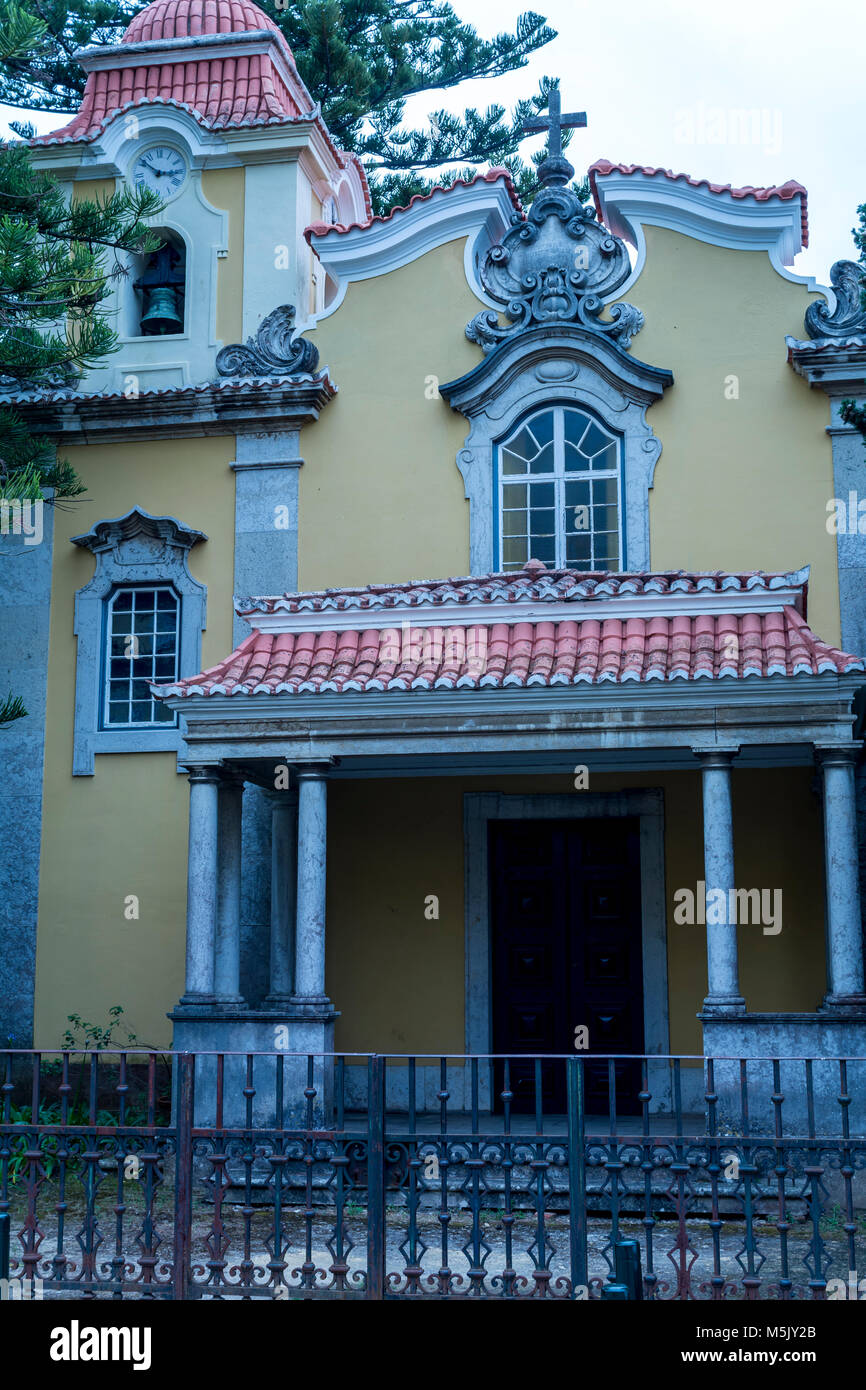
x=11, y=709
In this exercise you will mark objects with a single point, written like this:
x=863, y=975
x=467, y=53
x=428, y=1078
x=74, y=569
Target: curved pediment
x=555, y=355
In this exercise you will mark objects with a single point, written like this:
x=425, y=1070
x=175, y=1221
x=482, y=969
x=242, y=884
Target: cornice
x=233, y=406
x=837, y=366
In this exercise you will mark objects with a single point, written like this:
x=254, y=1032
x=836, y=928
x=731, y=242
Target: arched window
x=159, y=282
x=559, y=493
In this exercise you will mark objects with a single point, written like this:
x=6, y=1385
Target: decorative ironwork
x=254, y=1177
x=848, y=319
x=272, y=350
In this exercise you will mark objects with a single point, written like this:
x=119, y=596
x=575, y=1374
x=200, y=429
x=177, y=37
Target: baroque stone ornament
x=557, y=264
x=271, y=351
x=848, y=319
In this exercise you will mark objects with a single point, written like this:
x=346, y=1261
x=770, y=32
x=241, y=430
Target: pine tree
x=360, y=59
x=57, y=262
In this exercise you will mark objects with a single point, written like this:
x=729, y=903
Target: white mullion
x=559, y=486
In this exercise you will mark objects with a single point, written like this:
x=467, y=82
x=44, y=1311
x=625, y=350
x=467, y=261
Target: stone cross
x=555, y=123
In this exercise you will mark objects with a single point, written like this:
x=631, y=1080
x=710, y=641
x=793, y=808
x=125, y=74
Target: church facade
x=452, y=652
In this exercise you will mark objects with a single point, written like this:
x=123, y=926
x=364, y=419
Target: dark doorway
x=566, y=951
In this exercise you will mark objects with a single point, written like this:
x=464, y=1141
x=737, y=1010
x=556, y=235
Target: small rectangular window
x=142, y=643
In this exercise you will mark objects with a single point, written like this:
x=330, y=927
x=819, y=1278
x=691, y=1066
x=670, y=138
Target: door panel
x=566, y=951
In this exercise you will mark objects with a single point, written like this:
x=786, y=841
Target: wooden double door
x=566, y=953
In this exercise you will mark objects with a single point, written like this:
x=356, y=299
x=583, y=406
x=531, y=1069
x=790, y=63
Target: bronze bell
x=162, y=289
x=161, y=315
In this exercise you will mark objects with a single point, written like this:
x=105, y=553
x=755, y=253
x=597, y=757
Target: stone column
x=227, y=964
x=310, y=1013
x=284, y=822
x=723, y=986
x=266, y=469
x=844, y=929
x=312, y=870
x=201, y=899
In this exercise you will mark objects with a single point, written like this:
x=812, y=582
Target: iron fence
x=274, y=1175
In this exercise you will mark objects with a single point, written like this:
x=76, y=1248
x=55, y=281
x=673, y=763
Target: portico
x=296, y=730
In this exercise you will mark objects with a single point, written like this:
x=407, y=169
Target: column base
x=316, y=1007
x=289, y=1039
x=203, y=1001
x=723, y=1006
x=843, y=1005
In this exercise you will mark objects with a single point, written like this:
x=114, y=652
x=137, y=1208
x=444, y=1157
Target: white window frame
x=107, y=656
x=559, y=477
x=135, y=550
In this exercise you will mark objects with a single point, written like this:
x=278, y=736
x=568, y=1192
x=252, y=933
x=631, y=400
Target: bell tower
x=207, y=109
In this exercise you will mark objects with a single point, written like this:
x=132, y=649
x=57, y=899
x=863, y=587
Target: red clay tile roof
x=791, y=189
x=520, y=654
x=393, y=655
x=219, y=92
x=490, y=176
x=181, y=19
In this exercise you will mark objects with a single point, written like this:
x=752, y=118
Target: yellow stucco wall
x=92, y=189
x=398, y=978
x=224, y=189
x=381, y=497
x=122, y=831
x=742, y=483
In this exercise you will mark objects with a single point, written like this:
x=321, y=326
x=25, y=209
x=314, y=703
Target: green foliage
x=850, y=411
x=22, y=33
x=12, y=708
x=360, y=59
x=89, y=1035
x=57, y=264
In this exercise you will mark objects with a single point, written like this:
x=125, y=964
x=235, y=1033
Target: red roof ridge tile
x=513, y=585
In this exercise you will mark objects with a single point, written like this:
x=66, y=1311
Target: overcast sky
x=664, y=82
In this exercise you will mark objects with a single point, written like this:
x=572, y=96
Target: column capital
x=721, y=756
x=837, y=754
x=313, y=772
x=203, y=772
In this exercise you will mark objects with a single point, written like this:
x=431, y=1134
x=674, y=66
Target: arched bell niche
x=158, y=301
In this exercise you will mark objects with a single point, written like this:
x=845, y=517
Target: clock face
x=162, y=169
